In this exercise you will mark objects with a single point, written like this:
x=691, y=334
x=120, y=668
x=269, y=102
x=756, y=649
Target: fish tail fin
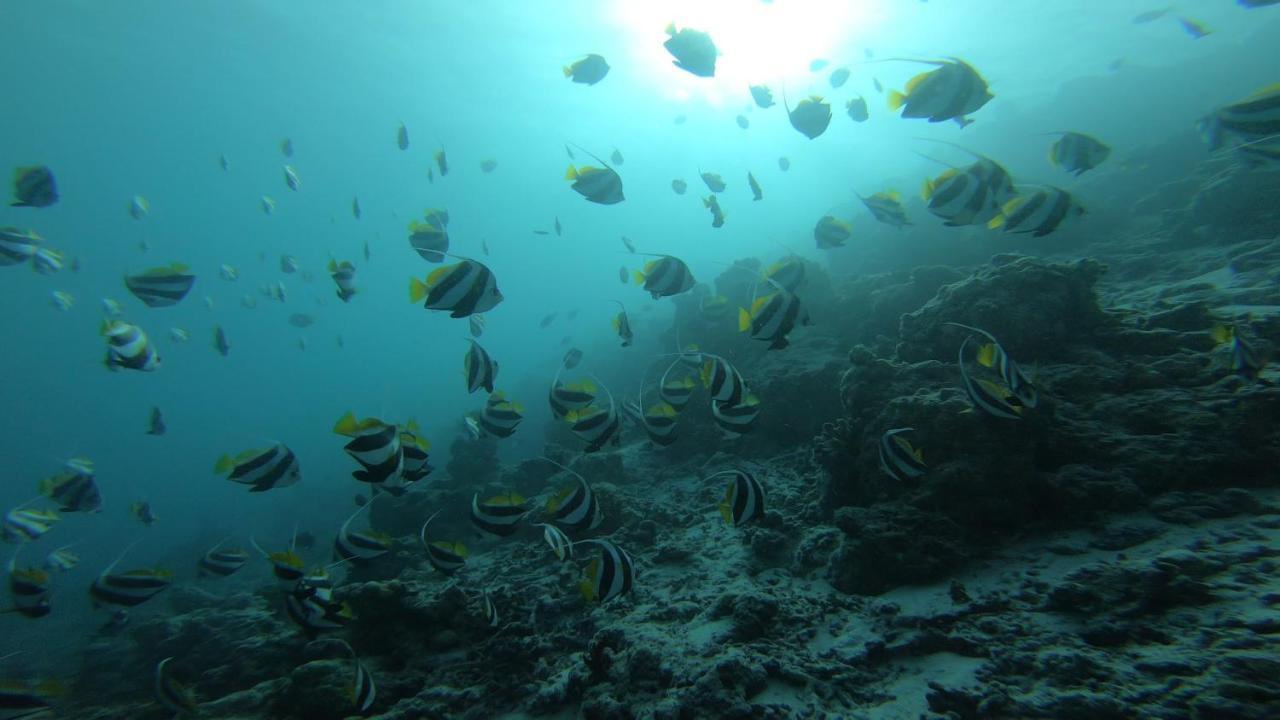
x=639, y=277
x=1222, y=334
x=571, y=173
x=896, y=99
x=568, y=71
x=744, y=320
x=224, y=464
x=995, y=222
x=417, y=290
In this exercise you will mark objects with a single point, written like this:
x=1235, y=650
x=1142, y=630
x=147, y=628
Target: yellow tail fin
x=896, y=99
x=417, y=290
x=744, y=320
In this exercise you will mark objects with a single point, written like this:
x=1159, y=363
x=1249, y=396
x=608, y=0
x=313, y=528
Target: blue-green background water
x=142, y=97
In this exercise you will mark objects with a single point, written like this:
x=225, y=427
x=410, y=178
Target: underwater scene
x=640, y=359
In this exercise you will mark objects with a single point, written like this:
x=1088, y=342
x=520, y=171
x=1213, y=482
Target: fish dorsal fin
x=439, y=274
x=914, y=82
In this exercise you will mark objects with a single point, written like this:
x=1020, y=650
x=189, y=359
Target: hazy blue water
x=142, y=97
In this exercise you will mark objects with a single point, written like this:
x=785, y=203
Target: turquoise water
x=142, y=98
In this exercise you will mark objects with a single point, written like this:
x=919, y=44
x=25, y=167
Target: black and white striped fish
x=34, y=186
x=363, y=689
x=773, y=317
x=129, y=588
x=950, y=92
x=312, y=608
x=898, y=458
x=291, y=178
x=622, y=326
x=430, y=238
x=743, y=498
x=989, y=397
x=344, y=276
x=560, y=543
x=128, y=347
x=446, y=556
x=574, y=506
x=499, y=515
x=161, y=286
x=658, y=421
x=736, y=419
x=490, y=610
x=992, y=355
x=464, y=288
x=968, y=196
x=75, y=490
x=569, y=396
x=676, y=391
x=887, y=208
x=17, y=246
x=286, y=565
x=479, y=369
x=723, y=380
x=500, y=416
x=223, y=562
x=272, y=467
x=608, y=576
x=600, y=185
x=665, y=277
x=30, y=589
x=1253, y=118
x=375, y=445
x=831, y=232
x=1077, y=153
x=1038, y=213
x=360, y=546
x=22, y=524
x=171, y=694
x=787, y=273
x=415, y=449
x=476, y=325
x=598, y=426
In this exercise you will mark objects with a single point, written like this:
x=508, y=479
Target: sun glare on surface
x=759, y=42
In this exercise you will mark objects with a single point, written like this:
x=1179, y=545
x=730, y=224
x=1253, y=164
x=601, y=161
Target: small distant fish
x=475, y=324
x=286, y=147
x=623, y=275
x=488, y=166
x=139, y=208
x=541, y=232
x=111, y=308
x=484, y=247
x=62, y=300
x=31, y=591
x=402, y=137
x=857, y=109
x=817, y=64
x=987, y=396
x=627, y=244
x=464, y=288
x=34, y=186
x=224, y=163
x=172, y=695
x=1077, y=153
x=356, y=212
x=547, y=319
x=177, y=334
x=679, y=119
x=263, y=469
x=223, y=563
x=714, y=182
x=291, y=178
x=1245, y=360
x=810, y=117
x=743, y=122
x=610, y=575
x=288, y=264
x=560, y=543
x=344, y=276
x=128, y=347
x=831, y=232
x=17, y=246
x=479, y=369
x=616, y=157
x=1150, y=15
x=590, y=70
x=679, y=186
x=268, y=204
x=743, y=498
x=25, y=525
x=220, y=341
x=142, y=512
x=951, y=92
x=602, y=186
x=155, y=422
x=784, y=164
x=442, y=161
x=693, y=50
x=310, y=605
x=839, y=77
x=445, y=556
x=756, y=192
x=712, y=203
x=61, y=559
x=559, y=230
x=500, y=515
x=875, y=82
x=665, y=277
x=898, y=458
x=762, y=95
x=301, y=320
x=572, y=358
x=161, y=286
